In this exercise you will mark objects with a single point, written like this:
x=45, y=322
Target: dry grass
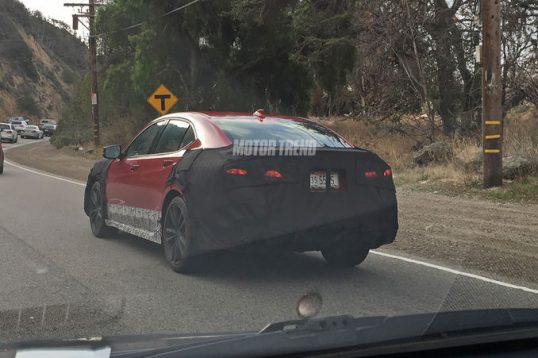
x=464, y=171
x=521, y=132
x=396, y=149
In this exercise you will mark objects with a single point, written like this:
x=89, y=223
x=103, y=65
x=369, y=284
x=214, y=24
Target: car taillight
x=273, y=174
x=236, y=171
x=370, y=174
x=387, y=172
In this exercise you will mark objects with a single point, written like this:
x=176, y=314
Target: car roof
x=209, y=133
x=231, y=116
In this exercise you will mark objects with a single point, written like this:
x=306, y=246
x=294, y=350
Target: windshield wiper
x=339, y=332
x=360, y=336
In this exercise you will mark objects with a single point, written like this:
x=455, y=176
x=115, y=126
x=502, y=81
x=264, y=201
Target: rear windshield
x=16, y=122
x=4, y=126
x=279, y=130
x=31, y=127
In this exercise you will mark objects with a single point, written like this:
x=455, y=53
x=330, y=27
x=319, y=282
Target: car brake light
x=387, y=172
x=273, y=174
x=370, y=174
x=236, y=171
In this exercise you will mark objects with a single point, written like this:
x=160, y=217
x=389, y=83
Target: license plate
x=318, y=181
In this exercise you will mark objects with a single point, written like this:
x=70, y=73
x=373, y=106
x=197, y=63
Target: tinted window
x=170, y=140
x=5, y=126
x=279, y=129
x=143, y=143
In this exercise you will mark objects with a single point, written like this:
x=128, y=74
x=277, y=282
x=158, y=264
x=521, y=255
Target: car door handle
x=134, y=167
x=167, y=163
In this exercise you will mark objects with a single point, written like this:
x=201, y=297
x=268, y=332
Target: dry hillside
x=40, y=63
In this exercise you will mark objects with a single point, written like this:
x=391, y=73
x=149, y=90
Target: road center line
x=44, y=174
x=395, y=257
x=456, y=272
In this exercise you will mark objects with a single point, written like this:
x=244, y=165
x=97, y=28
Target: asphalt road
x=59, y=281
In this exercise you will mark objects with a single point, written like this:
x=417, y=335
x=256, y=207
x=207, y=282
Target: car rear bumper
x=371, y=230
x=372, y=226
x=8, y=137
x=32, y=135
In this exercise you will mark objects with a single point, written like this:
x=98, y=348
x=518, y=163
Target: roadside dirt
x=44, y=156
x=484, y=236
x=498, y=240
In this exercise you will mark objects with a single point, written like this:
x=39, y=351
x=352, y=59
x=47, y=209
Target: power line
x=134, y=26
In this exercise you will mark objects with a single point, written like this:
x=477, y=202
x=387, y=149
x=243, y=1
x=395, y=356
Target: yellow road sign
x=162, y=100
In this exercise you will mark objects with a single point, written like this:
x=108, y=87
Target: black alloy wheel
x=97, y=212
x=176, y=236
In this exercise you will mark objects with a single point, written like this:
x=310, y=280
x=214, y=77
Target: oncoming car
x=205, y=182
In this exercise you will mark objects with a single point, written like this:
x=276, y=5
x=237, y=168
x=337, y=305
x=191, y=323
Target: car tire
x=345, y=256
x=97, y=210
x=177, y=236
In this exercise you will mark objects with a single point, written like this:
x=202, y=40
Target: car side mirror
x=112, y=151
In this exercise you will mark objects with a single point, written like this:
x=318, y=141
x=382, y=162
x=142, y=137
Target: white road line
x=456, y=272
x=45, y=174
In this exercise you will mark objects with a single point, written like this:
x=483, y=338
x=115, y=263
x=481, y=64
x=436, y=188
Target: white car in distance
x=8, y=133
x=32, y=132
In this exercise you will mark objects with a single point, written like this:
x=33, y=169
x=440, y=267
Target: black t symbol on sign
x=163, y=98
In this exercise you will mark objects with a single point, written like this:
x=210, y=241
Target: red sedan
x=205, y=182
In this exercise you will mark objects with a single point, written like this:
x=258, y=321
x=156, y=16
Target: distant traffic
x=16, y=127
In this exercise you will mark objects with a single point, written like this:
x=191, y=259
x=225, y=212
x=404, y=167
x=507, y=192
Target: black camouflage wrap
x=229, y=210
x=97, y=173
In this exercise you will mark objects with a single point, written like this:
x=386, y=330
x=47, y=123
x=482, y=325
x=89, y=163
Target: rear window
x=279, y=130
x=31, y=127
x=16, y=122
x=5, y=126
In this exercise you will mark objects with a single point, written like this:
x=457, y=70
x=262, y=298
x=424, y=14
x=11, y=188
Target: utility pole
x=492, y=113
x=92, y=42
x=93, y=70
